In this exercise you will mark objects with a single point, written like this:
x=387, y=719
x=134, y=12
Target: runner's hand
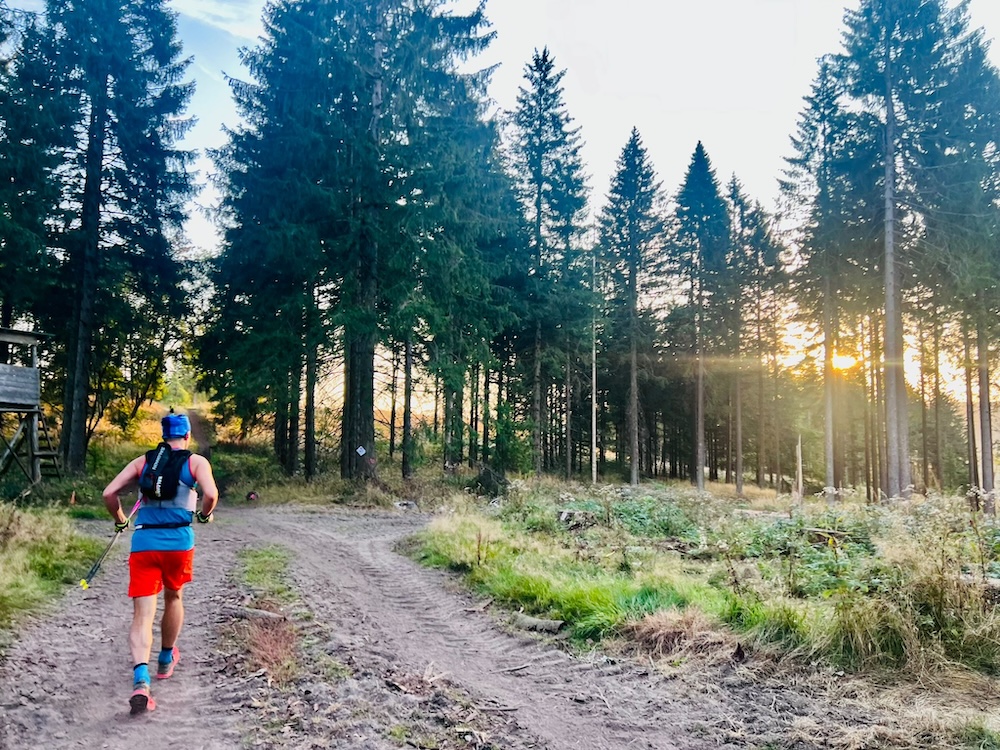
x=202, y=518
x=120, y=526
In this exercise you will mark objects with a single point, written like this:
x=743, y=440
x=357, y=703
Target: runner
x=162, y=547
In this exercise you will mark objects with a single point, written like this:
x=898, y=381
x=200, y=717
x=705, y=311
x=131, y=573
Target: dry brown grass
x=272, y=645
x=674, y=636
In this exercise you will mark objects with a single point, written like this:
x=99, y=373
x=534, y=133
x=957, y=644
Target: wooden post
x=797, y=490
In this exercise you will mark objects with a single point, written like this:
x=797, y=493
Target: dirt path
x=394, y=656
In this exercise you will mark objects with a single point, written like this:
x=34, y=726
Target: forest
x=402, y=264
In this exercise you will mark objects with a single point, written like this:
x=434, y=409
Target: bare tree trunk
x=486, y=414
x=407, y=464
x=392, y=401
x=867, y=389
x=75, y=407
x=569, y=415
x=985, y=421
x=294, y=416
x=536, y=403
x=474, y=416
x=312, y=358
x=761, y=421
x=938, y=450
x=739, y=429
x=970, y=420
x=699, y=419
x=925, y=463
x=828, y=389
x=633, y=413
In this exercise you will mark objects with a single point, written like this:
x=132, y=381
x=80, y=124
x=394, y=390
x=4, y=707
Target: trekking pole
x=85, y=581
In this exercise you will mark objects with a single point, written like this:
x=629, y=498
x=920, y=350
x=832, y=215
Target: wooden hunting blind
x=21, y=396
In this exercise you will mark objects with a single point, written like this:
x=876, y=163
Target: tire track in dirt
x=351, y=577
x=402, y=631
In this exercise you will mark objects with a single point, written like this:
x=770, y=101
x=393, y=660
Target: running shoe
x=140, y=700
x=163, y=671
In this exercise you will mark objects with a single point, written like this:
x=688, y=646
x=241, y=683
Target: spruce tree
x=549, y=173
x=631, y=240
x=123, y=182
x=699, y=248
x=33, y=127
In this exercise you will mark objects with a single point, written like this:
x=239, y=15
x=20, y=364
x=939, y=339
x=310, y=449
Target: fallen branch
x=538, y=624
x=249, y=613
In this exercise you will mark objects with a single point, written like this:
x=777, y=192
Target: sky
x=730, y=73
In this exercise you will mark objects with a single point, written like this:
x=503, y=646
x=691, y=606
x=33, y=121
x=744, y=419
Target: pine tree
x=834, y=180
x=123, y=182
x=915, y=69
x=755, y=273
x=352, y=181
x=699, y=248
x=549, y=173
x=631, y=237
x=34, y=128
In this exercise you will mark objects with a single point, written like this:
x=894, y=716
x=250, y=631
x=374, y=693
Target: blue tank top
x=166, y=540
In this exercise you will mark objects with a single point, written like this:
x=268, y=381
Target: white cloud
x=240, y=18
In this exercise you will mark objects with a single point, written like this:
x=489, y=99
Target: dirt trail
x=395, y=656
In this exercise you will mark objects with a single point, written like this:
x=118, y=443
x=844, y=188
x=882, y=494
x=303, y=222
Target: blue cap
x=175, y=426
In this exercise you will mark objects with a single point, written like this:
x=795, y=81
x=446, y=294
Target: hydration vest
x=160, y=480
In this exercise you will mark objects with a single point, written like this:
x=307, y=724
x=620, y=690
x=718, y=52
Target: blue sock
x=166, y=655
x=141, y=673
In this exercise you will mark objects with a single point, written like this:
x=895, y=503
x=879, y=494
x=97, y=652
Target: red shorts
x=151, y=571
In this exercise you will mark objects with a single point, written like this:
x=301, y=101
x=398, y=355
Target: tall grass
x=39, y=554
x=595, y=598
x=856, y=587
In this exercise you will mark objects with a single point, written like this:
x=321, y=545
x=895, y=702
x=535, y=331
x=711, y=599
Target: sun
x=844, y=361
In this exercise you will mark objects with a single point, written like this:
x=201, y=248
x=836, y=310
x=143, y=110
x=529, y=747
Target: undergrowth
x=857, y=587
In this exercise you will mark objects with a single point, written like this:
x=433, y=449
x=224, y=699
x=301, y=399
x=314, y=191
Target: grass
x=899, y=595
x=39, y=555
x=272, y=644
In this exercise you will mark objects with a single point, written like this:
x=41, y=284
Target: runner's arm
x=126, y=477
x=202, y=471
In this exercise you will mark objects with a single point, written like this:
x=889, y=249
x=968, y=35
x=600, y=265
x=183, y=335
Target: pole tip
x=84, y=584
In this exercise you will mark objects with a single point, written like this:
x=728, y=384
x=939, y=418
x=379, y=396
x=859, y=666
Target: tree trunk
x=536, y=403
x=312, y=365
x=474, y=416
x=925, y=462
x=897, y=425
x=6, y=321
x=392, y=402
x=569, y=416
x=828, y=390
x=294, y=417
x=358, y=443
x=486, y=414
x=761, y=422
x=985, y=421
x=938, y=451
x=76, y=402
x=739, y=428
x=407, y=466
x=970, y=419
x=699, y=418
x=633, y=413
